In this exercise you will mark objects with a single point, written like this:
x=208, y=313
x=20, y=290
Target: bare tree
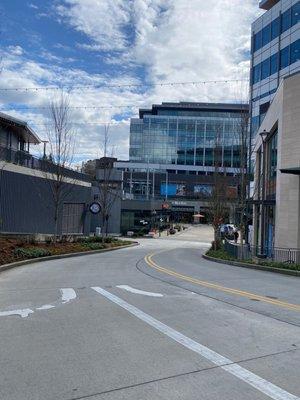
x=61, y=138
x=109, y=191
x=242, y=141
x=218, y=200
x=108, y=182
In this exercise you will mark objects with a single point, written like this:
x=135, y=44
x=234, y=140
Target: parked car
x=172, y=231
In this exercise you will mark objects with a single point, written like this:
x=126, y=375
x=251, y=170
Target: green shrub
x=110, y=240
x=223, y=255
x=31, y=252
x=220, y=253
x=274, y=264
x=217, y=245
x=93, y=246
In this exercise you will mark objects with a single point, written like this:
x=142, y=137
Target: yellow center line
x=148, y=259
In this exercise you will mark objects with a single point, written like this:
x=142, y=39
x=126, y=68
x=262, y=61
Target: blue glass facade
x=287, y=56
x=275, y=54
x=278, y=26
x=180, y=136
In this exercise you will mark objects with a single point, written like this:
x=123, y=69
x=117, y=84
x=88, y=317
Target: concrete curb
x=5, y=267
x=253, y=266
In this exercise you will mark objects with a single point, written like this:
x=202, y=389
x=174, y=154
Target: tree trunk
x=103, y=229
x=56, y=224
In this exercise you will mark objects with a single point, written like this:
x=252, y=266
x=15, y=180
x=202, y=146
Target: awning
x=293, y=171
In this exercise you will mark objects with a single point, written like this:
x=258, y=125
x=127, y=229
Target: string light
x=71, y=107
x=101, y=86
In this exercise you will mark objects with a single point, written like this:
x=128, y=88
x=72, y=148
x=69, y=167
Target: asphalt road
x=151, y=322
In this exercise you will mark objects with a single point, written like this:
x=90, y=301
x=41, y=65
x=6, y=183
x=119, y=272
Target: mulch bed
x=8, y=246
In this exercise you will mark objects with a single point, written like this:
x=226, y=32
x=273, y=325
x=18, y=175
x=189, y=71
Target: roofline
x=195, y=106
x=21, y=124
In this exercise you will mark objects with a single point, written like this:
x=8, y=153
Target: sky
x=112, y=57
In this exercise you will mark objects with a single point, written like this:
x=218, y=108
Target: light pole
x=167, y=184
x=45, y=143
x=263, y=136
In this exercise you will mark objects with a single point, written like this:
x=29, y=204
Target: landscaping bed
x=13, y=250
x=221, y=254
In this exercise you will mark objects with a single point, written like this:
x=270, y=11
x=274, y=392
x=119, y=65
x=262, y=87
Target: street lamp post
x=167, y=183
x=44, y=151
x=263, y=136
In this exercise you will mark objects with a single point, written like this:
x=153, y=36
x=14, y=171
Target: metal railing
x=275, y=254
x=25, y=159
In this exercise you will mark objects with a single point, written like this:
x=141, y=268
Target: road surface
x=151, y=322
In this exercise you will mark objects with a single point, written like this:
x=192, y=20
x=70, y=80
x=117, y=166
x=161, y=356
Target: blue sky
x=106, y=43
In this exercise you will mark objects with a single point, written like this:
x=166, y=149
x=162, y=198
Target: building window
x=256, y=73
x=265, y=68
x=266, y=35
x=295, y=51
x=275, y=28
x=274, y=64
x=286, y=20
x=257, y=41
x=254, y=125
x=273, y=156
x=272, y=165
x=295, y=13
x=285, y=57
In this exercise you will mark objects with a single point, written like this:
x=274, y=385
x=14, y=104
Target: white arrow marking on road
x=137, y=291
x=22, y=313
x=67, y=294
x=45, y=307
x=264, y=386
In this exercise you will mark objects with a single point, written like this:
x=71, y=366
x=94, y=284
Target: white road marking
x=264, y=386
x=137, y=291
x=67, y=294
x=22, y=313
x=45, y=307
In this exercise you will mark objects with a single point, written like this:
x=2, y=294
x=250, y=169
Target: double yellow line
x=148, y=259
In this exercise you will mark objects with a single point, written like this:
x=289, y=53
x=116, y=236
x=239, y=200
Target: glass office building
x=275, y=53
x=186, y=134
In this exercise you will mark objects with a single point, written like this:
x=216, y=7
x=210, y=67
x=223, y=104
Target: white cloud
x=15, y=50
x=174, y=40
x=194, y=42
x=103, y=21
x=21, y=72
x=31, y=5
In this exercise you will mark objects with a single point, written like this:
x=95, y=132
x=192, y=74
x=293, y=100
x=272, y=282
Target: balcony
x=24, y=159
